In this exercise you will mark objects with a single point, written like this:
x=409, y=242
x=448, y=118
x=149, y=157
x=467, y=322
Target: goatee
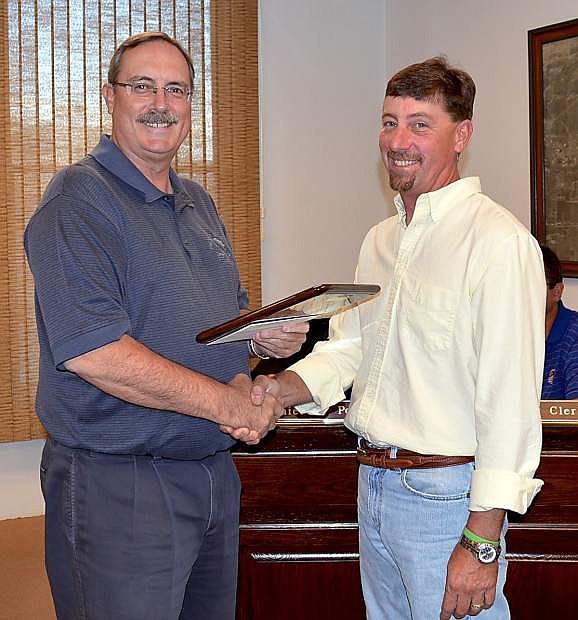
x=400, y=183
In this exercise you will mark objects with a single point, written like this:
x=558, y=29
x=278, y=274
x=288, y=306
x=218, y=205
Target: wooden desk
x=543, y=543
x=298, y=538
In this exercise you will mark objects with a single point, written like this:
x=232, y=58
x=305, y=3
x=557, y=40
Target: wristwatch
x=484, y=552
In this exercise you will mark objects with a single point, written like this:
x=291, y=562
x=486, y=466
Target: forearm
x=288, y=388
x=471, y=584
x=132, y=372
x=487, y=524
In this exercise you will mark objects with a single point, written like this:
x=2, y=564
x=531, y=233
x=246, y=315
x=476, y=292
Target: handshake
x=255, y=407
x=250, y=410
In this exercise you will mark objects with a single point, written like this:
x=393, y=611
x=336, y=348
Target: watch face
x=487, y=553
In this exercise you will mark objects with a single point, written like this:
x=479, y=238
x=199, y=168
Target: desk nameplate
x=334, y=415
x=552, y=412
x=559, y=412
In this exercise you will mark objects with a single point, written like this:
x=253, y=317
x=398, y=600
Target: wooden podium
x=298, y=555
x=298, y=537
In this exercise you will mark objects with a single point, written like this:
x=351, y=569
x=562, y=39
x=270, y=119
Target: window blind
x=54, y=57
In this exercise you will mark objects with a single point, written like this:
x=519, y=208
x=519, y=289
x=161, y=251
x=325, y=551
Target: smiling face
x=420, y=144
x=149, y=130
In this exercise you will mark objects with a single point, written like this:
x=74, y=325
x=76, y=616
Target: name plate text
x=559, y=412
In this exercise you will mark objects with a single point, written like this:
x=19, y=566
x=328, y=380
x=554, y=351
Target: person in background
x=446, y=366
x=130, y=263
x=560, y=380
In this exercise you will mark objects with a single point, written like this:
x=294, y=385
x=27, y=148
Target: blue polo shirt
x=561, y=362
x=111, y=254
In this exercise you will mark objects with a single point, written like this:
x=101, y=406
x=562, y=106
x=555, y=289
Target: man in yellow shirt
x=446, y=367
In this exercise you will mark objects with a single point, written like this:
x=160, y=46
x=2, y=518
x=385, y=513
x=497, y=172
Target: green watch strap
x=478, y=539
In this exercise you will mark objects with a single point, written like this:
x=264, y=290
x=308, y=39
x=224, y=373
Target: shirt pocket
x=427, y=314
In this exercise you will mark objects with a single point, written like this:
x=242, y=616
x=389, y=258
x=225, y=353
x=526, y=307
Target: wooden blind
x=54, y=58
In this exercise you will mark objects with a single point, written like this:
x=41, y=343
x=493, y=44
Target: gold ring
x=475, y=606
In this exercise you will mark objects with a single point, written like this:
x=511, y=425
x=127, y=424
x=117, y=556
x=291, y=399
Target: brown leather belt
x=405, y=459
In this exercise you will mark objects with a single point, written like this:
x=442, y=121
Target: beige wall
x=20, y=494
x=324, y=68
x=322, y=78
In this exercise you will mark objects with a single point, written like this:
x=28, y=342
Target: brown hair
x=139, y=39
x=436, y=81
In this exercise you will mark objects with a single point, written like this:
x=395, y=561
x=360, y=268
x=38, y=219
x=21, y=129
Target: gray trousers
x=140, y=537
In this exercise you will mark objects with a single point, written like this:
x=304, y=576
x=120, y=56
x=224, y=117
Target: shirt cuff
x=325, y=387
x=493, y=488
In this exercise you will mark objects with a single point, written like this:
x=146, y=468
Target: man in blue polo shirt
x=561, y=361
x=130, y=262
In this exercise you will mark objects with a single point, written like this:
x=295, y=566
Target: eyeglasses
x=146, y=90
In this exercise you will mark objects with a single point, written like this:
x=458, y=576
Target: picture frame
x=322, y=300
x=553, y=80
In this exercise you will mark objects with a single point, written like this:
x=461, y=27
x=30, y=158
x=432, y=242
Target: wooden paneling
x=304, y=572
x=298, y=538
x=539, y=590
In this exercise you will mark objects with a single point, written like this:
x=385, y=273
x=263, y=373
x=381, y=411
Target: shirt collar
x=108, y=155
x=436, y=204
x=560, y=324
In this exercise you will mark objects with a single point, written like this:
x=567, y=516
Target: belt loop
x=393, y=452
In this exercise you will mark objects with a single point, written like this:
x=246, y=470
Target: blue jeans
x=409, y=523
x=140, y=537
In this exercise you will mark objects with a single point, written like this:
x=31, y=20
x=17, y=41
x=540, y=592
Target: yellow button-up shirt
x=448, y=359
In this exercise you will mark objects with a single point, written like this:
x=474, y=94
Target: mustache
x=404, y=156
x=155, y=117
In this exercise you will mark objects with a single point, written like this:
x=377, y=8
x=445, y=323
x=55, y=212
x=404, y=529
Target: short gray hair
x=139, y=39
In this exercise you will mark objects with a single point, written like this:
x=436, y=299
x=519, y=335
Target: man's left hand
x=470, y=585
x=281, y=342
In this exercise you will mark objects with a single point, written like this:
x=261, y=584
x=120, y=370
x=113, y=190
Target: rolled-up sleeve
x=508, y=312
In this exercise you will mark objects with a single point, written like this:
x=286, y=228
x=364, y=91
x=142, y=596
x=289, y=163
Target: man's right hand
x=286, y=389
x=264, y=385
x=255, y=416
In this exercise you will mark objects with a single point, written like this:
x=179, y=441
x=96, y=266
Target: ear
x=557, y=291
x=464, y=131
x=108, y=95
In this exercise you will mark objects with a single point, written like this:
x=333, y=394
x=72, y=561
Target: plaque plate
x=316, y=302
x=559, y=412
x=334, y=415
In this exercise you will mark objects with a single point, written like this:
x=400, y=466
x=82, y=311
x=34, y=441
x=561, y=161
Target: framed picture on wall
x=553, y=54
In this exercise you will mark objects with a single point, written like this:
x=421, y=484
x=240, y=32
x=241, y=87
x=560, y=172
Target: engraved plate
x=334, y=415
x=559, y=412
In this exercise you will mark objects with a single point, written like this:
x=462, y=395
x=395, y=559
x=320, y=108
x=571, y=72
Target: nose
x=395, y=138
x=160, y=98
